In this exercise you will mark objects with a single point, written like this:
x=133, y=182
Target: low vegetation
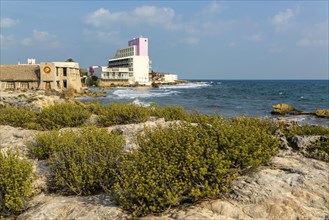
x=120, y=113
x=83, y=160
x=291, y=131
x=44, y=144
x=17, y=117
x=63, y=115
x=15, y=183
x=188, y=162
x=318, y=150
x=169, y=113
x=75, y=115
x=193, y=159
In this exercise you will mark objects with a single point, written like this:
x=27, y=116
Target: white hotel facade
x=130, y=65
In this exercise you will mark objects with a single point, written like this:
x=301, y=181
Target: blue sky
x=194, y=39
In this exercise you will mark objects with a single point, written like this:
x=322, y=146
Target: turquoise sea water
x=232, y=97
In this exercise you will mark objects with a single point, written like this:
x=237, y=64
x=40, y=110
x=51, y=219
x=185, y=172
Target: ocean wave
x=308, y=120
x=186, y=86
x=139, y=102
x=141, y=93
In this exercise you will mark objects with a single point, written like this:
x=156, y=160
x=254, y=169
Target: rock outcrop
x=283, y=109
x=292, y=187
x=322, y=113
x=35, y=100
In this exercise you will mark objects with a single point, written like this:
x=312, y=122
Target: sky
x=194, y=39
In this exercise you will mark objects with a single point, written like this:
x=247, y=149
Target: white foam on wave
x=139, y=102
x=141, y=93
x=186, y=86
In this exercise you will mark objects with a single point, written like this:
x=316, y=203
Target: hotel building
x=130, y=65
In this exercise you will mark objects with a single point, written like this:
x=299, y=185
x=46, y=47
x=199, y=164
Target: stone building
x=19, y=76
x=57, y=76
x=60, y=76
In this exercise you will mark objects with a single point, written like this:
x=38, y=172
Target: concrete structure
x=58, y=76
x=170, y=78
x=159, y=77
x=129, y=66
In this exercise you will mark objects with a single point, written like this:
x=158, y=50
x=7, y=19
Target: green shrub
x=248, y=142
x=169, y=113
x=16, y=117
x=84, y=160
x=44, y=144
x=305, y=130
x=320, y=150
x=96, y=107
x=63, y=115
x=121, y=113
x=15, y=183
x=172, y=165
x=187, y=162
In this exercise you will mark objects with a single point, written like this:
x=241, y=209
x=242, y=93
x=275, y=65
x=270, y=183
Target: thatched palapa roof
x=19, y=72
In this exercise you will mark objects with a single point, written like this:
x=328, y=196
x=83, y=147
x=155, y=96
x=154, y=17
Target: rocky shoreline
x=285, y=109
x=293, y=186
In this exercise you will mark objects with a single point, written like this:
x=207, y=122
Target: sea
x=231, y=98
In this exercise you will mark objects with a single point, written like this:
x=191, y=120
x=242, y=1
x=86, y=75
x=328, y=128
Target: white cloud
x=284, y=19
x=213, y=8
x=190, y=29
x=144, y=15
x=191, y=40
x=26, y=41
x=7, y=40
x=103, y=36
x=40, y=35
x=312, y=42
x=276, y=49
x=254, y=37
x=315, y=35
x=7, y=22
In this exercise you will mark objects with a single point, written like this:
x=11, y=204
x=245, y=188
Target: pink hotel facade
x=141, y=46
x=130, y=65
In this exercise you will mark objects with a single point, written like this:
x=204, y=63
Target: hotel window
x=64, y=71
x=10, y=85
x=64, y=83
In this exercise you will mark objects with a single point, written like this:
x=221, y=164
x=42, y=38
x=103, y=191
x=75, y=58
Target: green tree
x=69, y=60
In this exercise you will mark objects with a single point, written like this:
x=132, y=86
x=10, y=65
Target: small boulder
x=283, y=109
x=92, y=120
x=323, y=113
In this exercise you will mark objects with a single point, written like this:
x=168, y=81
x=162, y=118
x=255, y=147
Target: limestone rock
x=283, y=109
x=284, y=144
x=302, y=142
x=35, y=100
x=323, y=113
x=72, y=207
x=15, y=138
x=92, y=120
